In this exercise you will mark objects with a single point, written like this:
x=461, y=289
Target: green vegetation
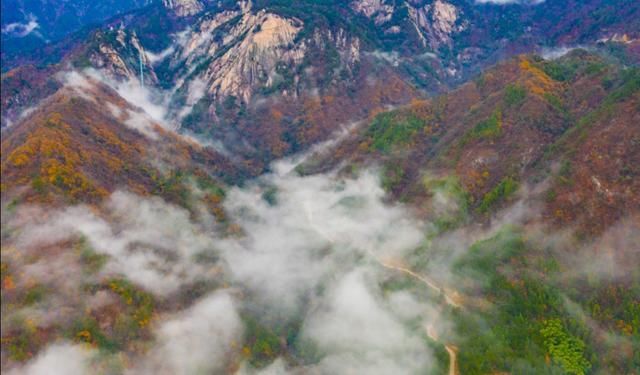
x=140, y=303
x=514, y=95
x=88, y=330
x=625, y=84
x=208, y=185
x=564, y=348
x=533, y=321
x=488, y=254
x=630, y=84
x=173, y=187
x=564, y=173
x=456, y=203
x=510, y=336
x=35, y=294
x=505, y=188
x=20, y=344
x=555, y=102
x=270, y=195
x=392, y=129
x=262, y=345
x=490, y=128
x=561, y=70
x=392, y=177
x=92, y=261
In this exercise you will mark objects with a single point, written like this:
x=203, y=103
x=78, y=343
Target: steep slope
x=86, y=141
x=123, y=237
x=544, y=156
x=222, y=65
x=523, y=122
x=27, y=25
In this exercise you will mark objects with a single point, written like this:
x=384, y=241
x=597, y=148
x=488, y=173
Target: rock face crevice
x=435, y=22
x=241, y=51
x=255, y=47
x=122, y=59
x=184, y=8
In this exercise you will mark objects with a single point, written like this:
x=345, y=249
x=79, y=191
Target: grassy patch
x=561, y=70
x=453, y=198
x=87, y=330
x=392, y=129
x=392, y=177
x=140, y=303
x=490, y=128
x=514, y=95
x=34, y=295
x=92, y=261
x=505, y=188
x=264, y=344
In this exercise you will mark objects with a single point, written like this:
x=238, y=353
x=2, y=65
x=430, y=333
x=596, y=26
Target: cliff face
x=221, y=63
x=247, y=55
x=184, y=8
x=435, y=22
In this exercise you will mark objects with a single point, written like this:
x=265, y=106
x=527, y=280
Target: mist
x=320, y=252
x=308, y=247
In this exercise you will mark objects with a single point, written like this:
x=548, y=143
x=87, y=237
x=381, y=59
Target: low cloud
x=156, y=247
x=317, y=250
x=200, y=340
x=20, y=29
x=155, y=58
x=552, y=53
x=317, y=226
x=147, y=107
x=310, y=247
x=505, y=2
x=360, y=335
x=58, y=359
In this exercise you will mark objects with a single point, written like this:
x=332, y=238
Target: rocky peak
x=436, y=22
x=262, y=41
x=184, y=8
x=122, y=59
x=376, y=9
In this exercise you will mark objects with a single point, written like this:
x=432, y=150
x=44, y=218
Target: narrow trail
x=450, y=296
x=453, y=360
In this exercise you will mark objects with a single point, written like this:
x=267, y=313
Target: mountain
x=276, y=186
x=32, y=24
x=567, y=124
x=228, y=64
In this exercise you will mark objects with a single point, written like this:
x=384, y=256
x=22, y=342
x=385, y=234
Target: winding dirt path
x=451, y=297
x=453, y=359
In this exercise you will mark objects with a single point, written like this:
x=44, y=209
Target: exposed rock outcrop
x=184, y=8
x=436, y=22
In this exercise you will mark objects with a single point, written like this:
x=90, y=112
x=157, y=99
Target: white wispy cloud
x=20, y=29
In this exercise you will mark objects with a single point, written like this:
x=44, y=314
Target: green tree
x=565, y=349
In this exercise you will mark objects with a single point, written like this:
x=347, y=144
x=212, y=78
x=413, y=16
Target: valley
x=321, y=187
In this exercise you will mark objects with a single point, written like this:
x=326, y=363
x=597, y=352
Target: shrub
x=141, y=302
x=263, y=345
x=514, y=95
x=560, y=71
x=392, y=128
x=502, y=191
x=565, y=349
x=88, y=330
x=489, y=128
